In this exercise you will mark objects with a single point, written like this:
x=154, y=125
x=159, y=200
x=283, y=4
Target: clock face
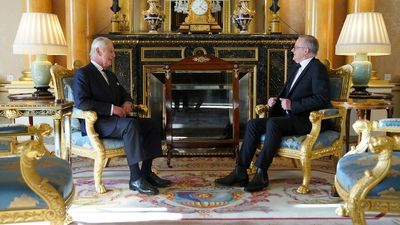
x=199, y=7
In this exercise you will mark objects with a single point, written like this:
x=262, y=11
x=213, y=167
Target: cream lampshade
x=362, y=35
x=40, y=34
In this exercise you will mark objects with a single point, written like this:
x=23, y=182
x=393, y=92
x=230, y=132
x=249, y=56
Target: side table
x=60, y=112
x=363, y=107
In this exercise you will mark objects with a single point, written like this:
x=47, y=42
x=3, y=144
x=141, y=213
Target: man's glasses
x=296, y=47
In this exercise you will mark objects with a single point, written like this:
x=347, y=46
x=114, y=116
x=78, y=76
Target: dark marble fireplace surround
x=270, y=54
x=262, y=59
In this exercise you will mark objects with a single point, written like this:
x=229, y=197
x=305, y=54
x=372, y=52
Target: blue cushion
x=325, y=139
x=393, y=122
x=78, y=139
x=13, y=128
x=351, y=168
x=14, y=193
x=5, y=145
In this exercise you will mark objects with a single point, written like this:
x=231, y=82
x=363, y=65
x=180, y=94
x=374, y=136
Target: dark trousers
x=274, y=128
x=141, y=136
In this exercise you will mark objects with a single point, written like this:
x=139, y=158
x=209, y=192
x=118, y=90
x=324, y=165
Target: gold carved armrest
x=141, y=109
x=38, y=131
x=365, y=128
x=30, y=152
x=90, y=118
x=356, y=197
x=316, y=118
x=261, y=110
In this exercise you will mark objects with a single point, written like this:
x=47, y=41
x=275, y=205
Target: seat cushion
x=15, y=193
x=351, y=168
x=391, y=122
x=325, y=139
x=78, y=139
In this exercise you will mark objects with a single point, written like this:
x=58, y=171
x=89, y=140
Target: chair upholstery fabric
x=352, y=167
x=35, y=185
x=15, y=193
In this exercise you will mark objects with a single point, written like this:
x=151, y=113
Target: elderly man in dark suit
x=306, y=89
x=98, y=89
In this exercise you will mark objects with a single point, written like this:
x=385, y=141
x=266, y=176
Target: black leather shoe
x=157, y=181
x=237, y=177
x=259, y=181
x=142, y=186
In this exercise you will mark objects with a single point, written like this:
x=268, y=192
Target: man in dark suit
x=306, y=89
x=98, y=89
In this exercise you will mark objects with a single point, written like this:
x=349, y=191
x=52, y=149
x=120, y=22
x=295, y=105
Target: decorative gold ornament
x=153, y=15
x=242, y=16
x=200, y=19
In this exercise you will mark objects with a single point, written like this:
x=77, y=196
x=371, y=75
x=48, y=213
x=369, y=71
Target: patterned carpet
x=194, y=199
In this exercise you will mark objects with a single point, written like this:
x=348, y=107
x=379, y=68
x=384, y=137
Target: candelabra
x=242, y=16
x=153, y=16
x=115, y=19
x=275, y=24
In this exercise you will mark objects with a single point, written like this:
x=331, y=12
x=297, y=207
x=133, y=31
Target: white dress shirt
x=303, y=65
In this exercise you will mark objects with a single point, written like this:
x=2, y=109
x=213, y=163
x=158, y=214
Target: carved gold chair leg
x=306, y=170
x=98, y=175
x=356, y=214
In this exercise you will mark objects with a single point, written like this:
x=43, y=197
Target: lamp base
x=359, y=91
x=42, y=92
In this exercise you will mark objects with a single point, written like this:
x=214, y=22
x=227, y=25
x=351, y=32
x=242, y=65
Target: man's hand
x=127, y=107
x=286, y=104
x=272, y=101
x=119, y=111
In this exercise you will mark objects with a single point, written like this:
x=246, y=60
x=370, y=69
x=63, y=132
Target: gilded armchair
x=368, y=181
x=35, y=185
x=317, y=144
x=90, y=146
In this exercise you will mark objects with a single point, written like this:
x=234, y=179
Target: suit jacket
x=309, y=93
x=92, y=92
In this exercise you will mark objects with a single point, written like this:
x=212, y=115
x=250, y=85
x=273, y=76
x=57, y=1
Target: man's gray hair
x=99, y=42
x=311, y=43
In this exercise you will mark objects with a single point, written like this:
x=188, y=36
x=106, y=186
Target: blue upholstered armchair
x=35, y=185
x=369, y=180
x=317, y=143
x=90, y=146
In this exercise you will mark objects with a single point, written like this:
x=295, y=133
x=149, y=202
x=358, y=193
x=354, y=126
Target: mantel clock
x=199, y=18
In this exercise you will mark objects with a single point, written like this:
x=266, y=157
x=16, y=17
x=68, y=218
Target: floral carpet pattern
x=194, y=196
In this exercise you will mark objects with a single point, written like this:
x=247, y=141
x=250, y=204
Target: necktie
x=106, y=77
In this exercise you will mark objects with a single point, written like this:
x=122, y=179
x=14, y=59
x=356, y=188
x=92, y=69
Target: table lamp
x=40, y=34
x=362, y=35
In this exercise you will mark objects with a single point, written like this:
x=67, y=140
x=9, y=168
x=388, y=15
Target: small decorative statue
x=115, y=19
x=242, y=16
x=153, y=15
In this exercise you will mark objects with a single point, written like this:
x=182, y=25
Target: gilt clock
x=199, y=18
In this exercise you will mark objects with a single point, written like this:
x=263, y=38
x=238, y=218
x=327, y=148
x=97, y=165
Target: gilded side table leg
x=66, y=141
x=57, y=137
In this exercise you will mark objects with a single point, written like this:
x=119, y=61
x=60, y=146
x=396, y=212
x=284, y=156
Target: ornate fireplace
x=262, y=59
